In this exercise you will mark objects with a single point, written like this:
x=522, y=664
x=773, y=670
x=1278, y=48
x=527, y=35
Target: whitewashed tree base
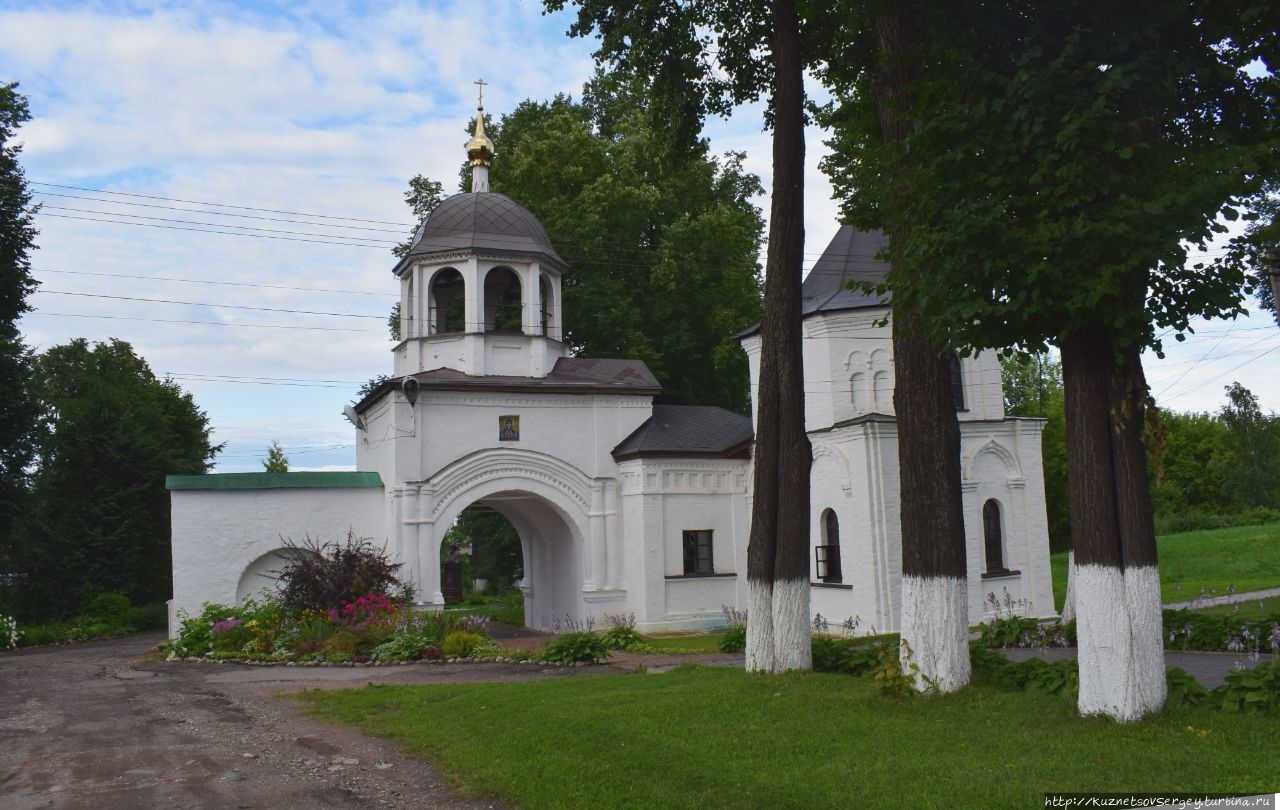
x=1118, y=627
x=792, y=638
x=759, y=626
x=935, y=627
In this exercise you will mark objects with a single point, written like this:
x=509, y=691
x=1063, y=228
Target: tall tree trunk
x=778, y=549
x=1117, y=582
x=935, y=612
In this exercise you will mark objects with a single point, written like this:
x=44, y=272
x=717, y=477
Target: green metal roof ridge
x=267, y=480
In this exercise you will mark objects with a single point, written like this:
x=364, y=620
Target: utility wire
x=206, y=304
x=220, y=283
x=41, y=312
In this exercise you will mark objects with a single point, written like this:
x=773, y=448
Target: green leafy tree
x=663, y=241
x=1191, y=465
x=1059, y=167
x=276, y=461
x=17, y=240
x=1033, y=387
x=496, y=555
x=693, y=59
x=1254, y=441
x=98, y=519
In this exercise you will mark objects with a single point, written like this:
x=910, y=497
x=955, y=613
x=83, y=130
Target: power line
x=218, y=205
x=40, y=312
x=220, y=283
x=205, y=230
x=217, y=213
x=206, y=304
x=247, y=229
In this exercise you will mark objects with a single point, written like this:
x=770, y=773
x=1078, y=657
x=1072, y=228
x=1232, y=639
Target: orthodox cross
x=480, y=83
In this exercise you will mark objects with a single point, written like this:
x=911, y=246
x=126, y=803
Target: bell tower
x=480, y=288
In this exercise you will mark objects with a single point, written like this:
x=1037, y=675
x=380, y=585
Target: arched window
x=883, y=394
x=547, y=302
x=502, y=305
x=957, y=382
x=448, y=293
x=858, y=392
x=828, y=554
x=993, y=534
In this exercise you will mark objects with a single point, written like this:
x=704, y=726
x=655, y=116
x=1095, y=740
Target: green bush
x=1218, y=632
x=569, y=648
x=154, y=616
x=734, y=639
x=403, y=647
x=1183, y=690
x=109, y=608
x=623, y=637
x=460, y=644
x=851, y=656
x=1251, y=690
x=341, y=646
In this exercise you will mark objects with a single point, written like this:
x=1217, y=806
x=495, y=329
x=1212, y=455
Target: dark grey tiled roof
x=689, y=430
x=572, y=375
x=483, y=221
x=851, y=256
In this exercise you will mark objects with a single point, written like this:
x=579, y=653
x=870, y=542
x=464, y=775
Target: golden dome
x=480, y=148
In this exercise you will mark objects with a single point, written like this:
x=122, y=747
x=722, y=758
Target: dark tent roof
x=689, y=430
x=851, y=256
x=485, y=222
x=570, y=375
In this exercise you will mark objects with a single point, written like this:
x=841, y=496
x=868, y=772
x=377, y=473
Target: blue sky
x=302, y=122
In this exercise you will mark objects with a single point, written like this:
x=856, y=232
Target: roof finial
x=480, y=148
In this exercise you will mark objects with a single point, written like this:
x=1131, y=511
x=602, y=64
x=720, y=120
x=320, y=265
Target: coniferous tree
x=276, y=461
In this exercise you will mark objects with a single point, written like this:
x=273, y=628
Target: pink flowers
x=364, y=611
x=224, y=625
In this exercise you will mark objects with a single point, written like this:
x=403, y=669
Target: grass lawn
x=1246, y=609
x=685, y=643
x=714, y=738
x=1247, y=557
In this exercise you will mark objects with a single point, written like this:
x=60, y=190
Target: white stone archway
x=546, y=500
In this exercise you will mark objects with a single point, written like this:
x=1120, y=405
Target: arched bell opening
x=503, y=309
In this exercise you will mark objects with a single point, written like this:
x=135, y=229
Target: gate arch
x=548, y=502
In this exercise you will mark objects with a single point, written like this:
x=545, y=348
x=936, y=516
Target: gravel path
x=92, y=726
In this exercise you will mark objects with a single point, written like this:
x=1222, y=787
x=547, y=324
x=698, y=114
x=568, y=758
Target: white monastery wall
x=225, y=540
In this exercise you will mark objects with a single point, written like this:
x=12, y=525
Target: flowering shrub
x=9, y=634
x=365, y=611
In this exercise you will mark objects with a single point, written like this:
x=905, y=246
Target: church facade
x=623, y=506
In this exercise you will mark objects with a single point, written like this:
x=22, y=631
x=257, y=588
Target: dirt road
x=92, y=726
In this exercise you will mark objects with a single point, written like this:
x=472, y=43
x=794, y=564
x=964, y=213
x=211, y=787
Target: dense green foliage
x=1096, y=147
x=579, y=646
x=661, y=241
x=723, y=738
x=105, y=615
x=1208, y=470
x=496, y=555
x=109, y=433
x=17, y=240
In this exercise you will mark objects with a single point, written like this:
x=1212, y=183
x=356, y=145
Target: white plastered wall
x=220, y=535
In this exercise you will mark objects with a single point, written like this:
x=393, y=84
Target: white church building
x=622, y=505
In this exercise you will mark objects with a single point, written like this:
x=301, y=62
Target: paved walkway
x=1229, y=599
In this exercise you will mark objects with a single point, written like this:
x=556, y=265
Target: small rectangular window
x=697, y=552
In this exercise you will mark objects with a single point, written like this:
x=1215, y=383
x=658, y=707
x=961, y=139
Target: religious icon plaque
x=508, y=428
